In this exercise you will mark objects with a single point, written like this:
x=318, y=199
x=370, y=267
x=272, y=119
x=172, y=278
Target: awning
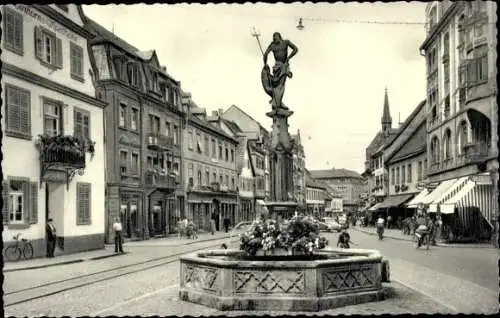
x=395, y=200
x=374, y=208
x=413, y=204
x=261, y=202
x=448, y=207
x=441, y=189
x=447, y=194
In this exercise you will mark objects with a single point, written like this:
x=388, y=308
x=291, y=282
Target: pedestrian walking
x=117, y=227
x=389, y=222
x=51, y=238
x=226, y=224
x=212, y=224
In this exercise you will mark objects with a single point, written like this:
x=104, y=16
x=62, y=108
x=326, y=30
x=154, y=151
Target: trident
x=257, y=35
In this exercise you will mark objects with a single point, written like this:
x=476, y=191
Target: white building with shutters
x=54, y=161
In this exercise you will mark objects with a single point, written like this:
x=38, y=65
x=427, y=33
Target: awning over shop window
x=448, y=207
x=441, y=189
x=447, y=193
x=413, y=204
x=374, y=208
x=395, y=201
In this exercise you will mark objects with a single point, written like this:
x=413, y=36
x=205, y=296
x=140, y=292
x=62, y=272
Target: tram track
x=25, y=295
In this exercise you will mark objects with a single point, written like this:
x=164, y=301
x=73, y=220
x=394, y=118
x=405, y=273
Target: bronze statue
x=274, y=84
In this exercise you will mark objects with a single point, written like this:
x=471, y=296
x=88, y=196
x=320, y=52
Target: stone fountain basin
x=222, y=279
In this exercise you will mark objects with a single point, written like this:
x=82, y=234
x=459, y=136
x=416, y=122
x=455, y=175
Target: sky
x=339, y=73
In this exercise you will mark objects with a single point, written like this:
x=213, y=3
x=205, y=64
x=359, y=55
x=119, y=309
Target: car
x=332, y=225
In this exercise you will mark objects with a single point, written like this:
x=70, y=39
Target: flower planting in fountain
x=299, y=235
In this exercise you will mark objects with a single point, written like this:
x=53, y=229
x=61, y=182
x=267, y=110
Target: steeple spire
x=386, y=116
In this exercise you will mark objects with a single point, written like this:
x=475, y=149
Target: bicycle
x=22, y=247
x=425, y=241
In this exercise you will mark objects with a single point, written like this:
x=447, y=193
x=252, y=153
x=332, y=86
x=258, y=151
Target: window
x=76, y=58
x=199, y=147
x=214, y=177
x=135, y=164
x=134, y=118
x=133, y=73
x=220, y=152
x=420, y=171
x=176, y=135
x=18, y=111
x=447, y=145
x=207, y=177
x=190, y=140
x=446, y=44
x=123, y=114
x=232, y=155
x=425, y=167
x=221, y=179
x=227, y=181
x=434, y=150
x=20, y=199
x=123, y=161
x=409, y=173
x=199, y=177
x=477, y=70
x=397, y=176
x=81, y=123
x=233, y=185
x=13, y=31
x=83, y=205
x=207, y=146
x=214, y=151
x=393, y=176
x=462, y=136
x=48, y=48
x=227, y=153
x=154, y=124
x=167, y=129
x=190, y=175
x=52, y=117
x=150, y=162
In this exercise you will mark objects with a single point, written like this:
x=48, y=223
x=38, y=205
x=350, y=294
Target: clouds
x=339, y=73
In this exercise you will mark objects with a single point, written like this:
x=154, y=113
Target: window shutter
x=77, y=123
x=38, y=42
x=24, y=112
x=83, y=200
x=18, y=34
x=34, y=203
x=5, y=205
x=26, y=202
x=59, y=56
x=63, y=113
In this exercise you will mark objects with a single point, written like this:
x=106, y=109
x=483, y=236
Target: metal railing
x=157, y=140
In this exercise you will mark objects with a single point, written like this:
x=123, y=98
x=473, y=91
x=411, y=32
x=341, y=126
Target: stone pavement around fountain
x=106, y=252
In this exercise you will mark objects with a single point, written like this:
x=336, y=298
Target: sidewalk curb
x=438, y=244
x=95, y=258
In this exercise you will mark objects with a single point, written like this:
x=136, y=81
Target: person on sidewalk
x=117, y=227
x=212, y=224
x=226, y=224
x=51, y=238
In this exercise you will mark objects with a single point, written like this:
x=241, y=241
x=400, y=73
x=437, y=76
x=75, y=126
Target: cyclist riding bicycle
x=423, y=228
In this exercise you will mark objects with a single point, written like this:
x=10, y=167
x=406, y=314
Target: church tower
x=386, y=116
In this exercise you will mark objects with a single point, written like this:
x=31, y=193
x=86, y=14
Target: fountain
x=280, y=279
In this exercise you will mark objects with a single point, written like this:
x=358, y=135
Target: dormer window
x=133, y=74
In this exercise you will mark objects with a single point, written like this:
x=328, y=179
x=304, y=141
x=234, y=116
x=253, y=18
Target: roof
x=102, y=34
x=334, y=173
x=407, y=122
x=246, y=114
x=331, y=191
x=386, y=140
x=206, y=125
x=415, y=144
x=311, y=183
x=235, y=129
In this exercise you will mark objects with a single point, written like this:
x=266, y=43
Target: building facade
x=349, y=184
x=299, y=170
x=53, y=145
x=462, y=136
x=405, y=161
x=315, y=197
x=211, y=181
x=143, y=135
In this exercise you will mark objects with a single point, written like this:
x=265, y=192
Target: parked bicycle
x=22, y=247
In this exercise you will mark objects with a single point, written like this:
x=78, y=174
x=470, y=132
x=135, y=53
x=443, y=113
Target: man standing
x=274, y=84
x=51, y=238
x=226, y=224
x=117, y=227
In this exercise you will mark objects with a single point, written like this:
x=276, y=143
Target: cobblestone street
x=421, y=283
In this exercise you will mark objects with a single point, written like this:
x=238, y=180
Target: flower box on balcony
x=65, y=150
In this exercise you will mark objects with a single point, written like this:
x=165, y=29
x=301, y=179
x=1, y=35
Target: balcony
x=477, y=152
x=160, y=180
x=156, y=141
x=62, y=155
x=447, y=164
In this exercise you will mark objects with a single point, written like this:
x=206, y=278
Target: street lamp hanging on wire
x=300, y=26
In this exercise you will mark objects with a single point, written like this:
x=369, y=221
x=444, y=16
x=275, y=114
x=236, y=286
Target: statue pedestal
x=282, y=204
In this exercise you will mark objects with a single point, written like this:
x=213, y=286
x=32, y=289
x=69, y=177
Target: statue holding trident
x=274, y=84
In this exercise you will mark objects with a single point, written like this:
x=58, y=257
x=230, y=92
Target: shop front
x=131, y=214
x=202, y=207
